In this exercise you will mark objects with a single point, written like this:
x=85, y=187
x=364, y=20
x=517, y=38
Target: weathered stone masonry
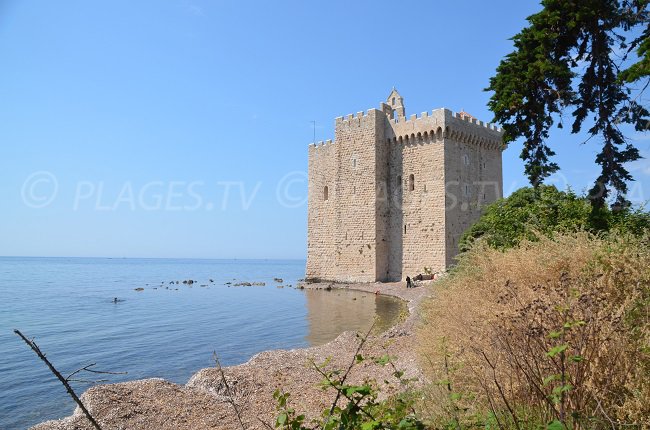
x=391, y=195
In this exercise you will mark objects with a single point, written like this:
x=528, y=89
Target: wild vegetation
x=553, y=333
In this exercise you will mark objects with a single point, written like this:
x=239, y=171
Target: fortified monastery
x=391, y=195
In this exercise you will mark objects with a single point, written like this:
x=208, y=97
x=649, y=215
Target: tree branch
x=63, y=380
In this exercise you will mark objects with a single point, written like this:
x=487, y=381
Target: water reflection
x=329, y=313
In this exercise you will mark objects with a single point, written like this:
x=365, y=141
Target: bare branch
x=228, y=392
x=63, y=380
x=88, y=381
x=265, y=424
x=88, y=369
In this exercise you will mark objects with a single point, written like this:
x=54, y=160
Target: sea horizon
x=158, y=258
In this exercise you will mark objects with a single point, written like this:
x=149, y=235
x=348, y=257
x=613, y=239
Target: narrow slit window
x=326, y=192
x=411, y=182
x=404, y=228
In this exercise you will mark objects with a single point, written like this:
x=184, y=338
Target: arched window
x=326, y=193
x=393, y=103
x=411, y=182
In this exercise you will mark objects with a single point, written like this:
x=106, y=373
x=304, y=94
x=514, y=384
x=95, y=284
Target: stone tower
x=391, y=195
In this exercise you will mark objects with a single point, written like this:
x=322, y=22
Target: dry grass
x=553, y=330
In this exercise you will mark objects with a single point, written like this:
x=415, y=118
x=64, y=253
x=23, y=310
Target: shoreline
x=202, y=402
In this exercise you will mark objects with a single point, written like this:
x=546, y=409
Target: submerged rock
x=248, y=284
x=242, y=284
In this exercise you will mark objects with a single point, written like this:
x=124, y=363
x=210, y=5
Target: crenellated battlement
x=321, y=144
x=359, y=116
x=447, y=115
x=426, y=127
x=466, y=118
x=439, y=124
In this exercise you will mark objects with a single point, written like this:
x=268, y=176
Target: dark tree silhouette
x=589, y=57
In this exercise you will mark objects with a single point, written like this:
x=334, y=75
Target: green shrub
x=544, y=211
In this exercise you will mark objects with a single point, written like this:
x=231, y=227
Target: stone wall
x=417, y=166
x=473, y=169
x=321, y=216
x=356, y=224
x=342, y=230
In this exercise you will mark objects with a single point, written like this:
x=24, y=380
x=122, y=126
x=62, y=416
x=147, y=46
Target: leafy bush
x=553, y=333
x=530, y=212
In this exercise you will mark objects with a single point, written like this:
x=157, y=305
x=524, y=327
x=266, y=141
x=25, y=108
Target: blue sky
x=180, y=128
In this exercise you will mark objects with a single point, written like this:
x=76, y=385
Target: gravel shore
x=202, y=403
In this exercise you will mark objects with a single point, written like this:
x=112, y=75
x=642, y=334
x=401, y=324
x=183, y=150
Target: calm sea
x=168, y=330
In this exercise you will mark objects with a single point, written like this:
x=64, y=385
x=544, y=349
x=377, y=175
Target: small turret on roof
x=396, y=102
